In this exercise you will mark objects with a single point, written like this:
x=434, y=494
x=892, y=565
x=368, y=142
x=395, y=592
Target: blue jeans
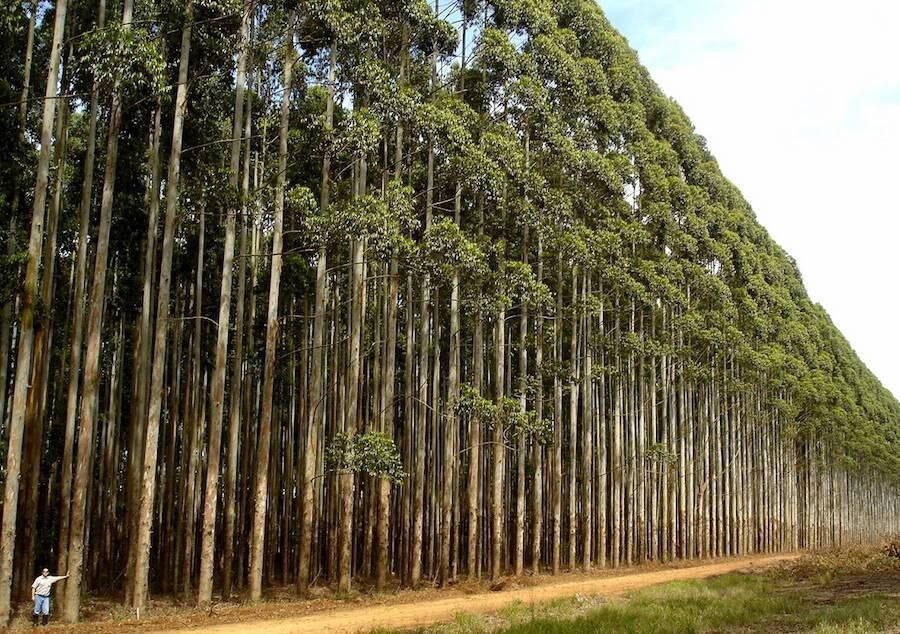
x=41, y=604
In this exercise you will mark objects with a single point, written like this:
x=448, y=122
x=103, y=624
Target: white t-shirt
x=42, y=584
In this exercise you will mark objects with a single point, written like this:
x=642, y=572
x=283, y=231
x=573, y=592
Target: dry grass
x=851, y=561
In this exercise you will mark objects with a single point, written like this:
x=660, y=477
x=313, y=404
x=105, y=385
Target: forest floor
x=405, y=609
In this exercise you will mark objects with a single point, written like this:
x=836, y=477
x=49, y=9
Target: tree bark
x=257, y=539
x=217, y=397
x=26, y=321
x=148, y=479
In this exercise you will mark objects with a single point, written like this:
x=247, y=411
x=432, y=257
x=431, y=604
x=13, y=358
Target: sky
x=799, y=101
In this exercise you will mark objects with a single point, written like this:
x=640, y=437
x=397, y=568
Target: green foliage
x=506, y=414
x=472, y=405
x=521, y=285
x=358, y=134
x=382, y=221
x=372, y=453
x=11, y=23
x=659, y=454
x=497, y=55
x=445, y=248
x=121, y=55
x=10, y=267
x=300, y=201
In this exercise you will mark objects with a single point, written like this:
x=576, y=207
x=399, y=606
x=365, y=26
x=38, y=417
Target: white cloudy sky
x=800, y=103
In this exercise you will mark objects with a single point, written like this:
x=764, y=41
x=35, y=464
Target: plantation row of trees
x=379, y=292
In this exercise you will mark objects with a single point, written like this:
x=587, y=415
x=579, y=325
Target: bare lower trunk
x=450, y=432
x=148, y=478
x=6, y=312
x=26, y=321
x=498, y=449
x=538, y=448
x=77, y=331
x=217, y=397
x=35, y=411
x=556, y=495
x=234, y=418
x=382, y=563
x=317, y=405
x=257, y=538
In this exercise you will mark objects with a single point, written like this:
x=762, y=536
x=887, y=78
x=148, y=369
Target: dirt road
x=409, y=615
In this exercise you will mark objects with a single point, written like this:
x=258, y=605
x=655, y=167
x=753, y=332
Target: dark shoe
x=34, y=620
x=44, y=619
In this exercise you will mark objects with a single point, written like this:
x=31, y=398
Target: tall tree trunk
x=6, y=312
x=573, y=419
x=382, y=564
x=26, y=321
x=196, y=416
x=537, y=443
x=521, y=441
x=317, y=409
x=474, y=482
x=35, y=409
x=234, y=414
x=452, y=397
x=587, y=430
x=355, y=401
x=498, y=448
x=144, y=343
x=148, y=479
x=421, y=427
x=77, y=323
x=90, y=390
x=556, y=501
x=257, y=538
x=352, y=412
x=211, y=496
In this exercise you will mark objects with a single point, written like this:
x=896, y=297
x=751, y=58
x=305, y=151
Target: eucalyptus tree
x=26, y=317
x=148, y=479
x=78, y=325
x=207, y=554
x=91, y=386
x=262, y=468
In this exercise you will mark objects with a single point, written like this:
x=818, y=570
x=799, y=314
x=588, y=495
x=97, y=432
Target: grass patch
x=855, y=590
x=734, y=602
x=860, y=626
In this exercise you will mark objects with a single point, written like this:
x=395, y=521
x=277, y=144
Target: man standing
x=40, y=594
